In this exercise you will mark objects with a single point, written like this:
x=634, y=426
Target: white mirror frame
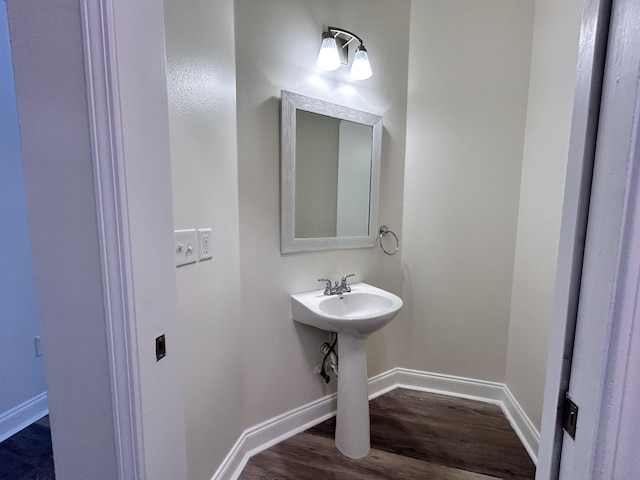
x=291, y=103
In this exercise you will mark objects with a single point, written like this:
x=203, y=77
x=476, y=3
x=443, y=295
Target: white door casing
x=591, y=57
x=91, y=90
x=608, y=286
x=125, y=59
x=601, y=365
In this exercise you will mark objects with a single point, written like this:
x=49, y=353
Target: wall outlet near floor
x=185, y=248
x=204, y=244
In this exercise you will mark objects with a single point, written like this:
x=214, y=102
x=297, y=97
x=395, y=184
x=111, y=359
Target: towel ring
x=384, y=230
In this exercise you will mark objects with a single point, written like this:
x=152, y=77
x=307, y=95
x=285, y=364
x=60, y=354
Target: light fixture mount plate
x=343, y=50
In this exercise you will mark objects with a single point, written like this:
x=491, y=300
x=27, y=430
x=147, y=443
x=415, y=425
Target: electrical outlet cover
x=185, y=249
x=204, y=244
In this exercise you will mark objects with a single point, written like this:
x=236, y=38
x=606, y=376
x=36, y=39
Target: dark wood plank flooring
x=28, y=455
x=414, y=435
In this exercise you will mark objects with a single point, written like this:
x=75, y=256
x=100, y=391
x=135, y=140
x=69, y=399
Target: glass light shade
x=360, y=68
x=328, y=57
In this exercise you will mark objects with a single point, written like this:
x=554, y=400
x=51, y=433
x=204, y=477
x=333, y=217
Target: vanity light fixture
x=334, y=52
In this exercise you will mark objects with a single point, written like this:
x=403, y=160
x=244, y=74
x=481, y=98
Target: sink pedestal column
x=352, y=422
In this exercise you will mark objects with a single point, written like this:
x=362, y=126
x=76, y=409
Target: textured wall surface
x=201, y=87
x=468, y=80
x=544, y=164
x=279, y=355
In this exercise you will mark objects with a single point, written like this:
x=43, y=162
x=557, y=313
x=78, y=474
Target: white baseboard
x=461, y=387
x=262, y=436
x=523, y=426
x=23, y=415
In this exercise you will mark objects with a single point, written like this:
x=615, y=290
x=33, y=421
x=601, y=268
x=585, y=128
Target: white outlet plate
x=185, y=248
x=205, y=246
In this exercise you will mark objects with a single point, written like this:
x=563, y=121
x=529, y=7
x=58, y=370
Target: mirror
x=330, y=175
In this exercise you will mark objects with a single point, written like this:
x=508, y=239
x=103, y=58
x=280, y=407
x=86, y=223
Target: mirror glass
x=330, y=168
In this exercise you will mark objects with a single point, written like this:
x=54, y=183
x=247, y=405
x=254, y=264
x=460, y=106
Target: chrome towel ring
x=384, y=230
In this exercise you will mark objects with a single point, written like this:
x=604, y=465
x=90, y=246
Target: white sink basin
x=358, y=313
x=354, y=316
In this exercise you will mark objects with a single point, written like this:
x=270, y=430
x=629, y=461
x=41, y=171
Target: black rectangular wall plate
x=161, y=348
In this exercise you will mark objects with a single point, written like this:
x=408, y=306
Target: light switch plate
x=185, y=247
x=204, y=244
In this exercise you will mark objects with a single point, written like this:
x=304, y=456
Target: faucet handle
x=344, y=279
x=346, y=287
x=327, y=287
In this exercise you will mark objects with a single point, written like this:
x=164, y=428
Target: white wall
x=546, y=145
x=201, y=85
x=277, y=42
x=137, y=60
x=468, y=79
x=22, y=373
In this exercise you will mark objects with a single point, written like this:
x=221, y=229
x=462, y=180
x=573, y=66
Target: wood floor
x=28, y=455
x=414, y=435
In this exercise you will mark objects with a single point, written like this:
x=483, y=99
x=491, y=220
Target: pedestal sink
x=354, y=316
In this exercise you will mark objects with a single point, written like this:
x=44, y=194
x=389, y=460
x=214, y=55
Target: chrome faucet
x=338, y=288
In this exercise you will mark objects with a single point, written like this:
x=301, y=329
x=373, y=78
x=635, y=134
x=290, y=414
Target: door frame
x=602, y=88
x=594, y=33
x=129, y=123
x=120, y=64
x=111, y=210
